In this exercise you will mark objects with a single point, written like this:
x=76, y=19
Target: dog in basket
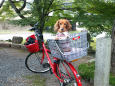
x=62, y=28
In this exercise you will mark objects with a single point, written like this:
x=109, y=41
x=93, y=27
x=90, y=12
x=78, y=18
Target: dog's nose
x=62, y=29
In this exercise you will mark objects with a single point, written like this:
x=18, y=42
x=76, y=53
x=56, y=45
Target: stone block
x=5, y=44
x=17, y=39
x=102, y=62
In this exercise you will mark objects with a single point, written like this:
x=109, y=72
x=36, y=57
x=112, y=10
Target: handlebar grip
x=32, y=29
x=35, y=27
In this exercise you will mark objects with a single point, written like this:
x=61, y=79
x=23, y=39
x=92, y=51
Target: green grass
x=86, y=71
x=24, y=40
x=36, y=80
x=112, y=79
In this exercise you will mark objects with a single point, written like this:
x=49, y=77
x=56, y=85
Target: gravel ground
x=12, y=67
x=13, y=70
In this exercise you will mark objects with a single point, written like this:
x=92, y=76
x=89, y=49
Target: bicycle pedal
x=45, y=65
x=67, y=81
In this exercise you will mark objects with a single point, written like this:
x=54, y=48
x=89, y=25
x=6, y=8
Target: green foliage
x=23, y=22
x=95, y=23
x=99, y=7
x=40, y=10
x=112, y=79
x=6, y=11
x=93, y=44
x=96, y=15
x=86, y=70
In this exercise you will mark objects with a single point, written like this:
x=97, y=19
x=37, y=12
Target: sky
x=29, y=0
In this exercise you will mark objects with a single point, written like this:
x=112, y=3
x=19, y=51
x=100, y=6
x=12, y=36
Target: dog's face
x=62, y=25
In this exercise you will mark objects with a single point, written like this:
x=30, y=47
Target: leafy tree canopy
x=96, y=15
x=41, y=10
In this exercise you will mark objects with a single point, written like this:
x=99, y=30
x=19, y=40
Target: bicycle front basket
x=70, y=49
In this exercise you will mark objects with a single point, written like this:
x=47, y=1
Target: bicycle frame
x=54, y=66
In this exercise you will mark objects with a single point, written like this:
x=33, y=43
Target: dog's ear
x=69, y=27
x=56, y=26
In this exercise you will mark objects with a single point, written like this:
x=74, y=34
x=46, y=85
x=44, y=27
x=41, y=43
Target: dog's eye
x=60, y=23
x=65, y=24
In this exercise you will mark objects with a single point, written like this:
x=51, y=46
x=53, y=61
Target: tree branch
x=51, y=2
x=23, y=6
x=2, y=3
x=17, y=10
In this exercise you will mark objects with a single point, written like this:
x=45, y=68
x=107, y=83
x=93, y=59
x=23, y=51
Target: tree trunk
x=113, y=49
x=1, y=3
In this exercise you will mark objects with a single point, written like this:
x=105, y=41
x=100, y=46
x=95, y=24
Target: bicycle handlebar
x=38, y=32
x=35, y=27
x=36, y=24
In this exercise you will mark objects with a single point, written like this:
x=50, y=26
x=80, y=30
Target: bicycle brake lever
x=36, y=24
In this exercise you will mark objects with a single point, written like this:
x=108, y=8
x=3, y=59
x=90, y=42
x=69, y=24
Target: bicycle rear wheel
x=33, y=63
x=65, y=73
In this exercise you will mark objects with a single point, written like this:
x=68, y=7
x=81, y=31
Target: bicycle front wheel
x=65, y=73
x=33, y=63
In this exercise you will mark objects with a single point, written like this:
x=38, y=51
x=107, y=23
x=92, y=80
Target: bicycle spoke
x=65, y=73
x=66, y=70
x=38, y=58
x=33, y=63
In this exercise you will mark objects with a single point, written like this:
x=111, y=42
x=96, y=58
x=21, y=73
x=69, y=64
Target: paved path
x=24, y=35
x=12, y=67
x=13, y=70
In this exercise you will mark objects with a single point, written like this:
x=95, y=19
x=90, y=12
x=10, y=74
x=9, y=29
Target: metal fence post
x=102, y=62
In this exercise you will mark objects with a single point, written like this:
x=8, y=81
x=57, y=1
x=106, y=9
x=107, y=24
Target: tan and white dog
x=62, y=28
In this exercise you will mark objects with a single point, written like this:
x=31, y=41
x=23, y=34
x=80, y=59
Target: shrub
x=86, y=70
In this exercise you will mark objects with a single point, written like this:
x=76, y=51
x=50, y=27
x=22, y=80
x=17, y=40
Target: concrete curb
x=12, y=45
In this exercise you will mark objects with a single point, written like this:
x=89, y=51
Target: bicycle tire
x=32, y=62
x=69, y=78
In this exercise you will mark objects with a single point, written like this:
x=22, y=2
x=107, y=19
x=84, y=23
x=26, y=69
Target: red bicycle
x=61, y=66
